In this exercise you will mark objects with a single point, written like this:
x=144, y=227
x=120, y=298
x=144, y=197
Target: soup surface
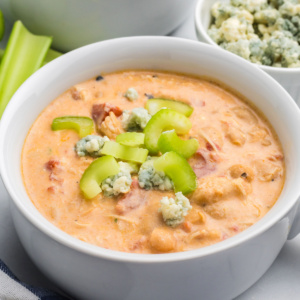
x=238, y=166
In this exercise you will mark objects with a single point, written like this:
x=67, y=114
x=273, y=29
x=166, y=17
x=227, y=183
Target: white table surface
x=280, y=282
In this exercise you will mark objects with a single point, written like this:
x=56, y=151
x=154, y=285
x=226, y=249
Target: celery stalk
x=169, y=141
x=117, y=150
x=179, y=170
x=155, y=104
x=163, y=120
x=132, y=139
x=24, y=54
x=95, y=173
x=2, y=27
x=51, y=54
x=82, y=125
x=1, y=54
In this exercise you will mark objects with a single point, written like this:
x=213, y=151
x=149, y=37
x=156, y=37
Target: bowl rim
x=203, y=33
x=75, y=244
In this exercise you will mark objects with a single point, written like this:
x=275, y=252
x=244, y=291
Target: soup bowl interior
x=153, y=53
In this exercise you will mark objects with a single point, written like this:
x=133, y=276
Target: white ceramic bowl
x=75, y=23
x=221, y=271
x=289, y=78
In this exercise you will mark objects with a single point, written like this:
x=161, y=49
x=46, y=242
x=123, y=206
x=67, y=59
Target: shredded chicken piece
x=204, y=233
x=101, y=111
x=54, y=167
x=75, y=93
x=111, y=126
x=213, y=189
x=241, y=171
x=122, y=218
x=82, y=224
x=209, y=140
x=87, y=211
x=131, y=200
x=204, y=162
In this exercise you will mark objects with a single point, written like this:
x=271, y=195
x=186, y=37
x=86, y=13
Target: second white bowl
x=289, y=78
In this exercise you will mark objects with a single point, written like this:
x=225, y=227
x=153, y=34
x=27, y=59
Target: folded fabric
x=11, y=288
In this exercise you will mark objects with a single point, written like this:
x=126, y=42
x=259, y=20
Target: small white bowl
x=289, y=78
x=220, y=271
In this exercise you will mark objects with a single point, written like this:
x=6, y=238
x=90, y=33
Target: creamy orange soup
x=239, y=166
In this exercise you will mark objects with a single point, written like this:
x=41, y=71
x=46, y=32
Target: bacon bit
x=138, y=244
x=197, y=103
x=225, y=236
x=130, y=200
x=204, y=162
x=235, y=228
x=75, y=94
x=275, y=157
x=134, y=184
x=52, y=189
x=209, y=147
x=54, y=177
x=52, y=165
x=211, y=135
x=102, y=110
x=187, y=226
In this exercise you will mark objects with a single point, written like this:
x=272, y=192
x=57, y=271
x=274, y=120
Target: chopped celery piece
x=133, y=139
x=138, y=155
x=154, y=105
x=165, y=119
x=23, y=55
x=2, y=26
x=169, y=141
x=179, y=170
x=51, y=54
x=96, y=172
x=82, y=125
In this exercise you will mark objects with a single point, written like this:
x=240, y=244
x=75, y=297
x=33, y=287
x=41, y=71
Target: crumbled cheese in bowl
x=265, y=32
x=174, y=210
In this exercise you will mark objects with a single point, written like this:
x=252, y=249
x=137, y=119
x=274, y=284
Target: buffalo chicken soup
x=152, y=162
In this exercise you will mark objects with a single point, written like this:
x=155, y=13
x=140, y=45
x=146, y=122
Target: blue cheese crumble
x=149, y=178
x=174, y=210
x=264, y=32
x=136, y=119
x=90, y=145
x=121, y=182
x=131, y=94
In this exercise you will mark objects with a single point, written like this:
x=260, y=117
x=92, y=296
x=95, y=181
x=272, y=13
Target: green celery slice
x=179, y=170
x=51, y=54
x=24, y=54
x=169, y=141
x=95, y=173
x=82, y=125
x=133, y=139
x=2, y=25
x=165, y=119
x=155, y=104
x=138, y=155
